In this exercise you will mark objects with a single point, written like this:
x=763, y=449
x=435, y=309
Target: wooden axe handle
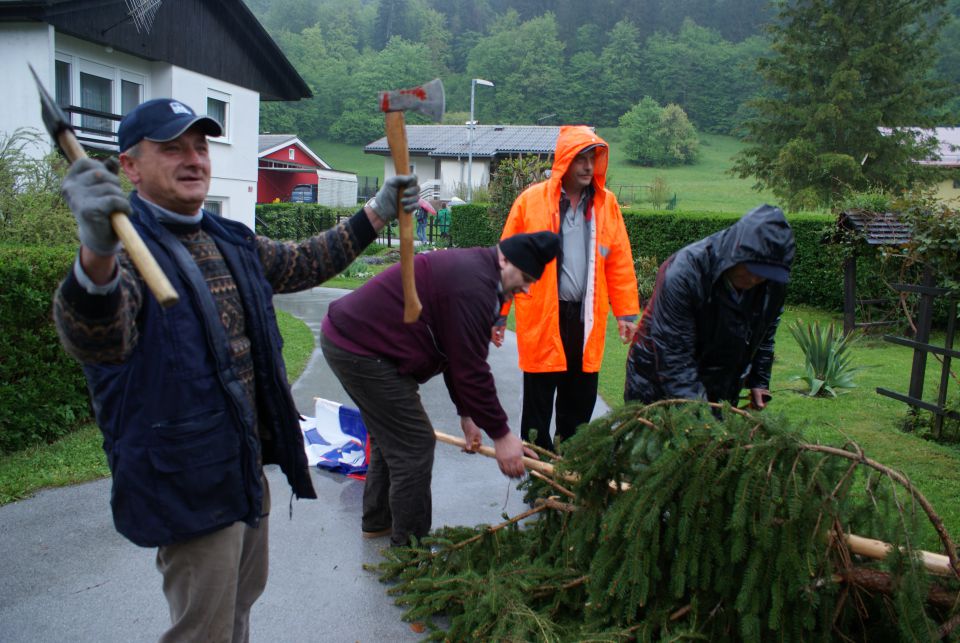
x=530, y=463
x=138, y=252
x=397, y=140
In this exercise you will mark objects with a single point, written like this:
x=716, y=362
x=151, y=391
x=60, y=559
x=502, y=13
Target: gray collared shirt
x=575, y=234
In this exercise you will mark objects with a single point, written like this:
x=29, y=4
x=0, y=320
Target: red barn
x=288, y=170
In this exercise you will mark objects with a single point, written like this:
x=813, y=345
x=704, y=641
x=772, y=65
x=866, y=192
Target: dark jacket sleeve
x=674, y=333
x=762, y=363
x=463, y=328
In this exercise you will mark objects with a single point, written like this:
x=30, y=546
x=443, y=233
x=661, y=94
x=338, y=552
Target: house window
x=218, y=108
x=213, y=206
x=131, y=95
x=96, y=93
x=292, y=153
x=63, y=83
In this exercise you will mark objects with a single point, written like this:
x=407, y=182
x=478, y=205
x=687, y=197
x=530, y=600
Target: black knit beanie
x=531, y=252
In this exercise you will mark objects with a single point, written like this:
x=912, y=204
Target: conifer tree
x=840, y=70
x=665, y=523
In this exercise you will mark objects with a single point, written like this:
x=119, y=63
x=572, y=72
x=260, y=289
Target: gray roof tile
x=489, y=140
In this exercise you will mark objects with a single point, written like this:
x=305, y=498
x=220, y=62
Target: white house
x=947, y=157
x=99, y=63
x=439, y=154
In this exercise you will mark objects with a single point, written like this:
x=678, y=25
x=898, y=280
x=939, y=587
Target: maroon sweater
x=459, y=292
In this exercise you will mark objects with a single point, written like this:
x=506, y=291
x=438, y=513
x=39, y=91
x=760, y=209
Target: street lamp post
x=472, y=125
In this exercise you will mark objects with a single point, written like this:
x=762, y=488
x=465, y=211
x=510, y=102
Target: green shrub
x=817, y=275
x=827, y=358
x=43, y=393
x=471, y=226
x=296, y=221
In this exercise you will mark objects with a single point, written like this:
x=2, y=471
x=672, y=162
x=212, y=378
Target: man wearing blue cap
x=193, y=400
x=708, y=328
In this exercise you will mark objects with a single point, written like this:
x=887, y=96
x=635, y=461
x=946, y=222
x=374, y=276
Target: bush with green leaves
x=31, y=209
x=296, y=221
x=512, y=177
x=43, y=394
x=827, y=357
x=655, y=135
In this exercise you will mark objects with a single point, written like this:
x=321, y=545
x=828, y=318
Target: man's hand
x=509, y=452
x=471, y=434
x=497, y=333
x=759, y=398
x=93, y=193
x=627, y=329
x=384, y=204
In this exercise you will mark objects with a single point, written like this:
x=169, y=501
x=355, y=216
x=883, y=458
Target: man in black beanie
x=380, y=361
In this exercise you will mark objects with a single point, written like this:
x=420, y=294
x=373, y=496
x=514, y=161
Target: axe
x=428, y=100
x=60, y=129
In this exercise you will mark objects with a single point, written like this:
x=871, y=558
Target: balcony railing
x=94, y=129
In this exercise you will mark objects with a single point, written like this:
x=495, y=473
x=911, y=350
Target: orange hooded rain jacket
x=611, y=280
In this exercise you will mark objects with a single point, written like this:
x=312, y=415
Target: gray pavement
x=66, y=575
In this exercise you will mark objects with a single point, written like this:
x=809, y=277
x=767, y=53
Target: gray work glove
x=384, y=204
x=93, y=193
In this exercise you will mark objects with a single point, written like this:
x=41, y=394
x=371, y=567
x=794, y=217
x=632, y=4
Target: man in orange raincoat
x=562, y=324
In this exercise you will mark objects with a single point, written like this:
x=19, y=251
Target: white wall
x=453, y=172
x=22, y=43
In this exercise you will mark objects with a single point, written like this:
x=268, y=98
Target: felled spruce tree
x=663, y=523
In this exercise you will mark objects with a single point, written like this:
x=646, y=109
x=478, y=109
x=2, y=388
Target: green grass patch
x=78, y=457
x=347, y=157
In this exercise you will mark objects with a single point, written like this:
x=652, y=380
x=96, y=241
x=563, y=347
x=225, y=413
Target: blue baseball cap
x=768, y=271
x=162, y=119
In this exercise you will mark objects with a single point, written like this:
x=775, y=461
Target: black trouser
x=397, y=491
x=576, y=391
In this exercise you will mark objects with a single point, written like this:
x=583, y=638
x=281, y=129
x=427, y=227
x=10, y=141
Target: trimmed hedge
x=295, y=221
x=817, y=275
x=43, y=393
x=470, y=226
x=816, y=278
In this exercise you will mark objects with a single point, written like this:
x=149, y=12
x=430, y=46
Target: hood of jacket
x=761, y=235
x=570, y=142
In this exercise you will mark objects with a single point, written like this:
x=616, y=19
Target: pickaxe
x=60, y=129
x=428, y=100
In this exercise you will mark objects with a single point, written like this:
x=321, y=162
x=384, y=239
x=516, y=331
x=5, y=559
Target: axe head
x=426, y=99
x=53, y=117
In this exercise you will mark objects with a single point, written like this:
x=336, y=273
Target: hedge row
x=817, y=276
x=42, y=391
x=294, y=221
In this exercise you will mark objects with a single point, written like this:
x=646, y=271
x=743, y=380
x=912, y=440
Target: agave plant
x=827, y=358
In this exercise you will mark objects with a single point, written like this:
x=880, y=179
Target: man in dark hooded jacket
x=708, y=329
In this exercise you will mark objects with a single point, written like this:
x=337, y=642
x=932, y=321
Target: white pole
x=470, y=125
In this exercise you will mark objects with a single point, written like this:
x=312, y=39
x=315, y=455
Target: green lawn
x=79, y=457
x=859, y=414
x=704, y=186
x=347, y=157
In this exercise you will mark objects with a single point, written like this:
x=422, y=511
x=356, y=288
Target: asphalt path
x=66, y=575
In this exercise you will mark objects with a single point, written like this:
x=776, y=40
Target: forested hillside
x=552, y=61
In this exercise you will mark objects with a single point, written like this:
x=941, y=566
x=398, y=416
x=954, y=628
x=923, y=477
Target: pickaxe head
x=53, y=117
x=426, y=99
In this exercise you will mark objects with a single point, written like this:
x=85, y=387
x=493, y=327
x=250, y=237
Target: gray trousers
x=211, y=582
x=397, y=492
